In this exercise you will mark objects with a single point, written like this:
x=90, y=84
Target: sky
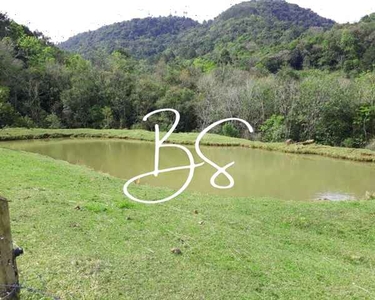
x=62, y=19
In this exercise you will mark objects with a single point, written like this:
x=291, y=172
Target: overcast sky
x=63, y=19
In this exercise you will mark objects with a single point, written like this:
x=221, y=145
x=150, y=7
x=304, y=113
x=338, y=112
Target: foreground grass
x=189, y=138
x=84, y=240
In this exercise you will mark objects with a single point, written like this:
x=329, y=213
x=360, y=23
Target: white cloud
x=61, y=20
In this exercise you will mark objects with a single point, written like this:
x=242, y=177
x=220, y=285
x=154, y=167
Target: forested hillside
x=265, y=34
x=31, y=76
x=142, y=38
x=248, y=30
x=349, y=47
x=245, y=27
x=291, y=73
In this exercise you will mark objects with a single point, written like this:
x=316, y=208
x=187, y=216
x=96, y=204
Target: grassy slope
x=189, y=138
x=246, y=249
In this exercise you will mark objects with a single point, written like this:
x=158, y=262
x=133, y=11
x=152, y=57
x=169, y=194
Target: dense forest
x=244, y=30
x=142, y=38
x=291, y=73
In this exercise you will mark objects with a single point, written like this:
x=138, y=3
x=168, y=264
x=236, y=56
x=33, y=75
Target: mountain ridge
x=147, y=32
x=250, y=20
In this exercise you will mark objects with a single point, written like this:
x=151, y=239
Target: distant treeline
x=320, y=85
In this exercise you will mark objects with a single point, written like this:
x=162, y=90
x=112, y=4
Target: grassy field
x=189, y=138
x=84, y=240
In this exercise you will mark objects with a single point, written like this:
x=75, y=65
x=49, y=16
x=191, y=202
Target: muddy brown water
x=257, y=173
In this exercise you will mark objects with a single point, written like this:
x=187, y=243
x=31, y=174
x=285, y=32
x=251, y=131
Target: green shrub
x=7, y=114
x=273, y=130
x=371, y=145
x=25, y=122
x=53, y=121
x=348, y=143
x=230, y=130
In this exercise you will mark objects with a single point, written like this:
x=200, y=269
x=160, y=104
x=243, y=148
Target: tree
x=181, y=99
x=225, y=58
x=147, y=92
x=365, y=119
x=7, y=114
x=81, y=98
x=10, y=67
x=107, y=117
x=273, y=130
x=117, y=88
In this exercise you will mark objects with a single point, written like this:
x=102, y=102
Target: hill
x=248, y=25
x=278, y=9
x=346, y=47
x=141, y=37
x=248, y=30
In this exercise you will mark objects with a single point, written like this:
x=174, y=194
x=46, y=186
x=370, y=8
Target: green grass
x=84, y=240
x=364, y=155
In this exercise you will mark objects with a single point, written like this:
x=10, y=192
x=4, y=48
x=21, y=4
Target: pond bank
x=361, y=155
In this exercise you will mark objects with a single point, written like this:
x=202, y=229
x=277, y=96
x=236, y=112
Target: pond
x=257, y=173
